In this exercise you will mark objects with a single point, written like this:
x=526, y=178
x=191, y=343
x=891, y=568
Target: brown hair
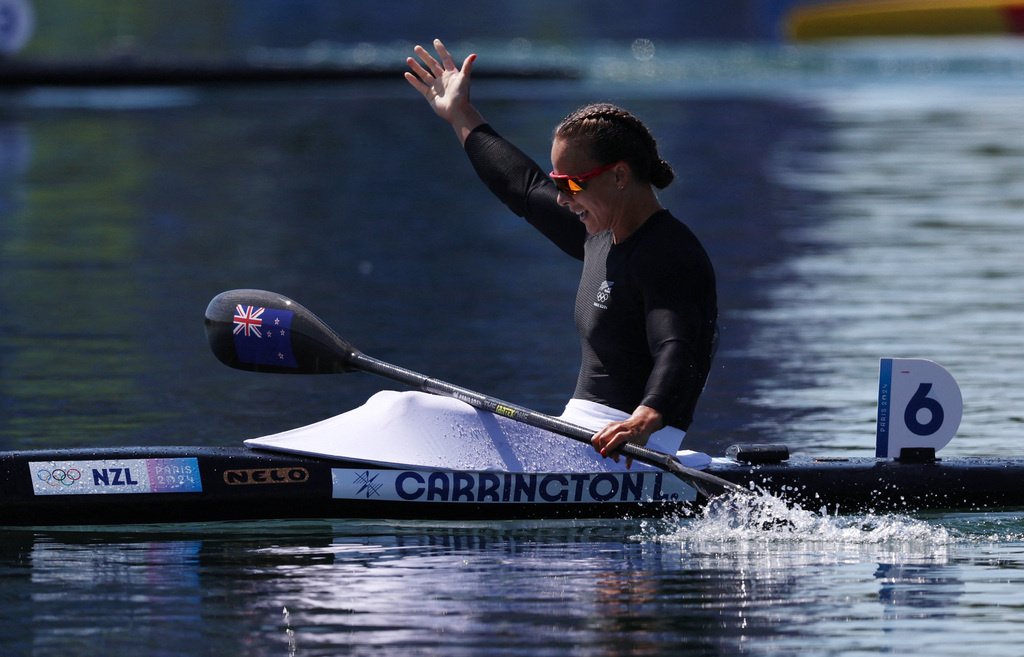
x=611, y=134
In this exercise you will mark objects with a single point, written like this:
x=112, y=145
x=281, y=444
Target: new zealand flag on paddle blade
x=263, y=336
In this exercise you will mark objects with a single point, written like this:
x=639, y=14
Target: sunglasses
x=573, y=185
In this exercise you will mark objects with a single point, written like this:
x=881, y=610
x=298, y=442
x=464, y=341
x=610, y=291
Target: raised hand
x=445, y=86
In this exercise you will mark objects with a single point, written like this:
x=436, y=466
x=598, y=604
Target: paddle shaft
x=699, y=479
x=235, y=325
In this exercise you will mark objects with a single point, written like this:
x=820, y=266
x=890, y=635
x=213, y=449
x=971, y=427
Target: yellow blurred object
x=860, y=18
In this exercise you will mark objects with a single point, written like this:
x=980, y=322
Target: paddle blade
x=263, y=331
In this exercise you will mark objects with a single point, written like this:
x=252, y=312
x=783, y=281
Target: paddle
x=263, y=331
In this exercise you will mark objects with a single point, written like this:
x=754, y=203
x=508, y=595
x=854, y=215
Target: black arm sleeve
x=524, y=187
x=679, y=371
x=681, y=313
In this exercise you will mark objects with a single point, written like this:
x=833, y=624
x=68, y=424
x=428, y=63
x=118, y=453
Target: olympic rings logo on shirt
x=59, y=477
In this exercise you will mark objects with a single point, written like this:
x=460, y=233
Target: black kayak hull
x=201, y=484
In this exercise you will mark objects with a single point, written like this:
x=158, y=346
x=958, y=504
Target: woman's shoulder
x=663, y=231
x=668, y=244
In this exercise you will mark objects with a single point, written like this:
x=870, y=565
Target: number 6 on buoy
x=919, y=406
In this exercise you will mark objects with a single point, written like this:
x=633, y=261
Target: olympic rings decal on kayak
x=59, y=477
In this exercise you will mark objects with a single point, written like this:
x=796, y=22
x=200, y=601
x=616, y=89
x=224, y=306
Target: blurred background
x=236, y=29
x=325, y=31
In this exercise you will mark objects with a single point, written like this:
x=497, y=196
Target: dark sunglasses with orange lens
x=574, y=184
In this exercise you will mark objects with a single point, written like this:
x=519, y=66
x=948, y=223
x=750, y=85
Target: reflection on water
x=608, y=588
x=912, y=251
x=68, y=252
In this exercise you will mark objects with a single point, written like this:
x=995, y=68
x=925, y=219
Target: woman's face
x=597, y=206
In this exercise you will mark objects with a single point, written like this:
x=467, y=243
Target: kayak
x=472, y=457
x=199, y=484
x=188, y=484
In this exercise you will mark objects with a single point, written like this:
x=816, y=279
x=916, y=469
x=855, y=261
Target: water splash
x=766, y=519
x=288, y=631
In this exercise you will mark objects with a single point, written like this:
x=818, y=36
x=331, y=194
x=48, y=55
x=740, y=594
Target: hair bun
x=662, y=174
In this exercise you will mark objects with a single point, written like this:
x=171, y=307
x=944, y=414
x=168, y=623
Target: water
x=854, y=586
x=858, y=201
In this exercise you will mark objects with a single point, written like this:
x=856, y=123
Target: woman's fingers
x=435, y=67
x=446, y=57
x=420, y=72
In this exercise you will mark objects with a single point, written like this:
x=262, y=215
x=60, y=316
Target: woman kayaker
x=646, y=307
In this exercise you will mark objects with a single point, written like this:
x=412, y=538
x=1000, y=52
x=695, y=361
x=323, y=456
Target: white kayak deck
x=417, y=429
